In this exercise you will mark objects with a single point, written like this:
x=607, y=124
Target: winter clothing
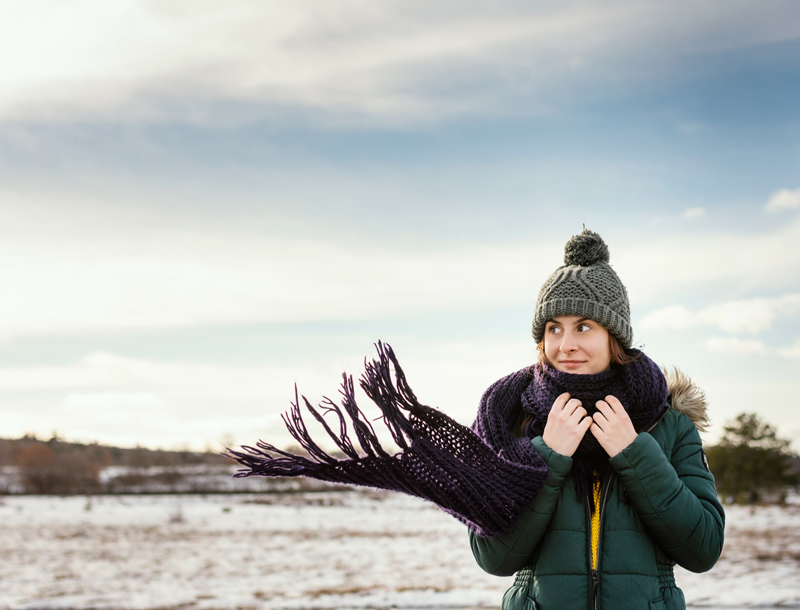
x=485, y=476
x=640, y=386
x=658, y=507
x=528, y=508
x=439, y=460
x=585, y=286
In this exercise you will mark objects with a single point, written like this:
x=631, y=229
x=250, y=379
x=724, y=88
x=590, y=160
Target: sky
x=204, y=203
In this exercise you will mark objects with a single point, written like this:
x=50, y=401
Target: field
x=311, y=550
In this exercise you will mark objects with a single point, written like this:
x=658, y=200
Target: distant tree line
x=751, y=464
x=58, y=467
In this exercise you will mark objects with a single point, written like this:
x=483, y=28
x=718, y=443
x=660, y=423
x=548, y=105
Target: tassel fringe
x=439, y=459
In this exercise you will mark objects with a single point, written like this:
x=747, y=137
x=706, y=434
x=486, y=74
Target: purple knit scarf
x=640, y=386
x=484, y=476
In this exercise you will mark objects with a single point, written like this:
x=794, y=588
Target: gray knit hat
x=585, y=286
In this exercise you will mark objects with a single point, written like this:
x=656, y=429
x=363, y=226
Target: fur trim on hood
x=685, y=397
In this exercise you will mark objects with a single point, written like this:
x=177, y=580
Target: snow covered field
x=314, y=550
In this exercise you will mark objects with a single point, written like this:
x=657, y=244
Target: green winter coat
x=659, y=507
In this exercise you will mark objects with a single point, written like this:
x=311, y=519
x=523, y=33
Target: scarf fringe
x=439, y=460
x=376, y=382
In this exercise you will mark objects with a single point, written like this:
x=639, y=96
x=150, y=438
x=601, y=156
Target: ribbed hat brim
x=611, y=320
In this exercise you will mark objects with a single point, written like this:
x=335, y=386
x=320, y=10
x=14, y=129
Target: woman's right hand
x=566, y=424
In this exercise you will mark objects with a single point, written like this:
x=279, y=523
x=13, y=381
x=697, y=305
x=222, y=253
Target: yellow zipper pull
x=596, y=492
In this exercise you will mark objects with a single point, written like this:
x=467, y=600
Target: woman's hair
x=619, y=357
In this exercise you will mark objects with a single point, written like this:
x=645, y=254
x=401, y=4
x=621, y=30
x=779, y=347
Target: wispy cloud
x=114, y=398
x=745, y=347
x=783, y=199
x=382, y=60
x=756, y=262
x=793, y=351
x=749, y=316
x=693, y=213
x=735, y=345
x=130, y=268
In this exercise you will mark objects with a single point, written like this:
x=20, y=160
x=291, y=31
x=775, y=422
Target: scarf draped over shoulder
x=485, y=476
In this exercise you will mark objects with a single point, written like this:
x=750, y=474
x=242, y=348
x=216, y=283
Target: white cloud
x=130, y=268
x=103, y=401
x=654, y=269
x=692, y=213
x=672, y=317
x=750, y=316
x=783, y=199
x=113, y=398
x=396, y=61
x=220, y=280
x=793, y=351
x=734, y=345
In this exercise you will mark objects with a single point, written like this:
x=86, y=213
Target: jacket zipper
x=596, y=568
x=604, y=499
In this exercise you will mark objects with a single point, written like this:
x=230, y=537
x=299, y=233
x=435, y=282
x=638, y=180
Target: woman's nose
x=568, y=343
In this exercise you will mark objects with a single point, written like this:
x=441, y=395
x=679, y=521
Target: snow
x=328, y=549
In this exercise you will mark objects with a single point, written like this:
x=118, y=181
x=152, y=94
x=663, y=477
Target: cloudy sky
x=206, y=202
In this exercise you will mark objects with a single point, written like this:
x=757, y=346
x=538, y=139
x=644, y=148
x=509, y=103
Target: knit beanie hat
x=585, y=286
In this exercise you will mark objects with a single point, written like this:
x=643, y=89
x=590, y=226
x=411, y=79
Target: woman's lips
x=571, y=364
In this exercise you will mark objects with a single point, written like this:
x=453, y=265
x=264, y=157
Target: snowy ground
x=314, y=550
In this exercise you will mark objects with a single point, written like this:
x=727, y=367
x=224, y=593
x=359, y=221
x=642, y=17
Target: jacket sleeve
x=676, y=499
x=506, y=553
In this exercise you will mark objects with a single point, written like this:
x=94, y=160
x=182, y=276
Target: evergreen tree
x=750, y=463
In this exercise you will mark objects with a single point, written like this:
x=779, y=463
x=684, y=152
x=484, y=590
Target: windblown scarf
x=485, y=476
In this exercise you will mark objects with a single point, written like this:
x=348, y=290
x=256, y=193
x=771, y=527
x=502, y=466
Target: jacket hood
x=687, y=398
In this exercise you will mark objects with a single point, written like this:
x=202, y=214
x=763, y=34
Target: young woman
x=628, y=492
x=583, y=474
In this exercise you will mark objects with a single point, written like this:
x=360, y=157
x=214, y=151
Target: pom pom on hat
x=586, y=248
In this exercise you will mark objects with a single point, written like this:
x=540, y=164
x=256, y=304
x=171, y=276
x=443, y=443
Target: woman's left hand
x=612, y=427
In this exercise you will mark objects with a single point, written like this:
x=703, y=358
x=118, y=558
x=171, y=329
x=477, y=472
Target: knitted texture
x=485, y=483
x=485, y=476
x=585, y=286
x=640, y=386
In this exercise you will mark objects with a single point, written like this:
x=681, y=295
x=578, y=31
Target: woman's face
x=577, y=345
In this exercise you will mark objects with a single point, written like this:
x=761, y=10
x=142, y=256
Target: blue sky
x=204, y=203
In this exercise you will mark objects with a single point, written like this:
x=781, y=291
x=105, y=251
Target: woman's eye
x=584, y=327
x=554, y=329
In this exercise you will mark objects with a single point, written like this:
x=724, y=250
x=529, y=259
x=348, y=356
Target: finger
x=561, y=401
x=579, y=413
x=573, y=405
x=584, y=425
x=596, y=430
x=604, y=408
x=614, y=403
x=600, y=420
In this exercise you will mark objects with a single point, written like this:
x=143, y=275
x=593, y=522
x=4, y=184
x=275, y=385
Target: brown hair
x=619, y=357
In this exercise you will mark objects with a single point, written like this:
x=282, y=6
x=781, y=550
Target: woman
x=628, y=492
x=584, y=473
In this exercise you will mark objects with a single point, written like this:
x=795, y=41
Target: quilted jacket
x=659, y=507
